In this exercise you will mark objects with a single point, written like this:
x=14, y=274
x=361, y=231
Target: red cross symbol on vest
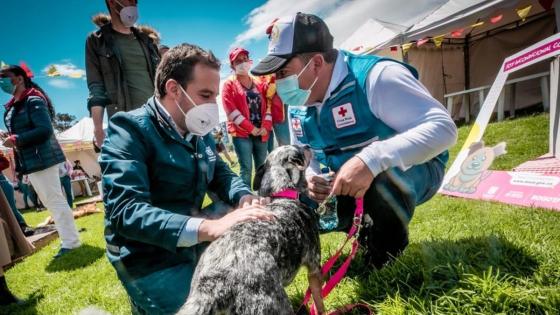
x=342, y=112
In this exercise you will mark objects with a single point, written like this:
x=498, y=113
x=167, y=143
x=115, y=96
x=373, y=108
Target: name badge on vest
x=344, y=116
x=296, y=126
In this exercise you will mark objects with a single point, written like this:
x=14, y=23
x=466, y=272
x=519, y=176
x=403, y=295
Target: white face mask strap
x=306, y=65
x=187, y=95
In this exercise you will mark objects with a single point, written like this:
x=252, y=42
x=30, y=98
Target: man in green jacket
x=158, y=163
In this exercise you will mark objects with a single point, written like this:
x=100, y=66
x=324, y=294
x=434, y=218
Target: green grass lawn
x=464, y=257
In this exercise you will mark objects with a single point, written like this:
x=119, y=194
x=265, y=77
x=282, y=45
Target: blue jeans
x=248, y=149
x=67, y=185
x=9, y=193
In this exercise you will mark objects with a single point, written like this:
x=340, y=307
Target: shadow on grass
x=27, y=307
x=431, y=269
x=81, y=257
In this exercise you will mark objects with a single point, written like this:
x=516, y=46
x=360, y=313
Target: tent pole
x=557, y=13
x=466, y=70
x=554, y=132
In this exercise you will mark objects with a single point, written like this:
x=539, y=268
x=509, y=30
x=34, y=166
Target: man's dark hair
x=178, y=64
x=329, y=56
x=108, y=7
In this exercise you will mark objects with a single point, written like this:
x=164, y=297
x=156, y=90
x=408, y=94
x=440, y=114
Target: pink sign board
x=518, y=188
x=539, y=52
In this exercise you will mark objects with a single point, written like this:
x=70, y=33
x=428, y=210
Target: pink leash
x=338, y=275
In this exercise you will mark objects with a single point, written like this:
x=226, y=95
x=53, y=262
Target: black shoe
x=63, y=251
x=6, y=296
x=27, y=230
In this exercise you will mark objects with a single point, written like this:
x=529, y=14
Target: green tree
x=63, y=121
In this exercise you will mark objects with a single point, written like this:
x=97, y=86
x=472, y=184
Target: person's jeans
x=9, y=192
x=248, y=149
x=67, y=185
x=50, y=192
x=282, y=131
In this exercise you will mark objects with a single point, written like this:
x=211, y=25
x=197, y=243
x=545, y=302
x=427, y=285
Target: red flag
x=422, y=41
x=546, y=4
x=394, y=48
x=496, y=19
x=25, y=68
x=457, y=33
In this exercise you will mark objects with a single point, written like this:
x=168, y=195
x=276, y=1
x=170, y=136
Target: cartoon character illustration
x=473, y=169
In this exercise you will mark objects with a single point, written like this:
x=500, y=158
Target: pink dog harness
x=339, y=274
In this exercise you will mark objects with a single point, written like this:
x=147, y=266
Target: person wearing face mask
x=248, y=112
x=158, y=163
x=120, y=64
x=369, y=120
x=37, y=153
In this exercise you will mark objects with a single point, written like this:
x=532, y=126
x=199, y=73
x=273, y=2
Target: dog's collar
x=288, y=194
x=295, y=195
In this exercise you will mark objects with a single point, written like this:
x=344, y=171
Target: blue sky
x=55, y=33
x=48, y=32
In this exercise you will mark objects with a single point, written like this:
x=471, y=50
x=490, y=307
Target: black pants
x=388, y=208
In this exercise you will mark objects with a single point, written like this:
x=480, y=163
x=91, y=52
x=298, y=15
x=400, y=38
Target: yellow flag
x=478, y=24
x=53, y=72
x=524, y=12
x=438, y=40
x=406, y=47
x=75, y=75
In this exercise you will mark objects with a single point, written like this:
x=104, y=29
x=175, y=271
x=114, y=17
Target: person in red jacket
x=278, y=110
x=249, y=117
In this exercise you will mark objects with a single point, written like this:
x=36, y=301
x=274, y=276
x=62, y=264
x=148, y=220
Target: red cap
x=234, y=53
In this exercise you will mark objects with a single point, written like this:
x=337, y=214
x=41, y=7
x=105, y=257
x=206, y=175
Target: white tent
x=77, y=144
x=468, y=59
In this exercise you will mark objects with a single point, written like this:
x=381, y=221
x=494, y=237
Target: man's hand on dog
x=209, y=230
x=249, y=200
x=353, y=179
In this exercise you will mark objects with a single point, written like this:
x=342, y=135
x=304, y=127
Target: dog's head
x=283, y=169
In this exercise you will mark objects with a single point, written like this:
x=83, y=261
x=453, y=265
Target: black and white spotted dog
x=245, y=270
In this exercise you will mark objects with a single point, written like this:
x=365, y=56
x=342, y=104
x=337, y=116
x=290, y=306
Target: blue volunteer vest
x=345, y=123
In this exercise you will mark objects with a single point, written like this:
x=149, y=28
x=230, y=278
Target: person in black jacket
x=37, y=152
x=121, y=60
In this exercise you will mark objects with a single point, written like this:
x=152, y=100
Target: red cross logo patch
x=343, y=116
x=296, y=127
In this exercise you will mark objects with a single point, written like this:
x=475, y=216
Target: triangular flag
x=478, y=24
x=53, y=72
x=457, y=33
x=406, y=47
x=3, y=65
x=422, y=41
x=75, y=75
x=546, y=4
x=438, y=40
x=524, y=12
x=496, y=19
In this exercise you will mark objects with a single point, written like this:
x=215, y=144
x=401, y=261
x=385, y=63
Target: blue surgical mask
x=7, y=86
x=289, y=91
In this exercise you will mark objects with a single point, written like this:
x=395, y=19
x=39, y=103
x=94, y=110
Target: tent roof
x=81, y=131
x=362, y=39
x=432, y=18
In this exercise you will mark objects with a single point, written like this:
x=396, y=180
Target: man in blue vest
x=369, y=120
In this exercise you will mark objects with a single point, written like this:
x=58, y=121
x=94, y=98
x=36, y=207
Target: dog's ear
x=259, y=176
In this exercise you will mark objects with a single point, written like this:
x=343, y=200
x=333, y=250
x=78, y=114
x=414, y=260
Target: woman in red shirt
x=249, y=118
